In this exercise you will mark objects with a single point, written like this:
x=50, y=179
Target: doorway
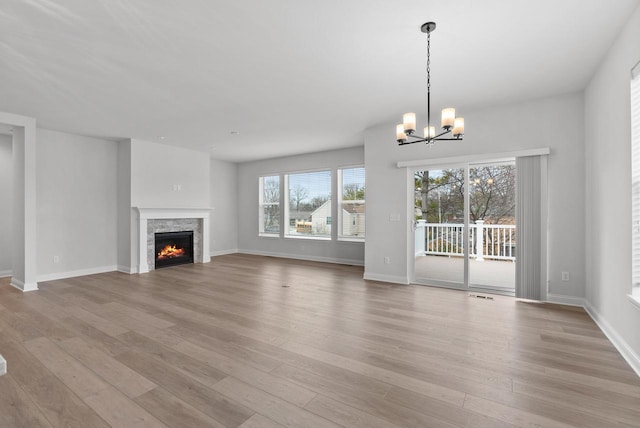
x=23, y=222
x=6, y=207
x=465, y=229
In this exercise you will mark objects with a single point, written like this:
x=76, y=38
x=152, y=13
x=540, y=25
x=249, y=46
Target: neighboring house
x=353, y=218
x=321, y=219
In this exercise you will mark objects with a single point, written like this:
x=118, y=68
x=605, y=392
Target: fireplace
x=173, y=248
x=156, y=220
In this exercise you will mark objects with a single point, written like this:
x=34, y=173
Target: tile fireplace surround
x=152, y=220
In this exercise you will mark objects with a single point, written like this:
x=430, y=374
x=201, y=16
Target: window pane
x=270, y=205
x=309, y=204
x=352, y=205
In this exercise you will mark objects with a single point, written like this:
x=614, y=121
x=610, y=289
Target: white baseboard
x=74, y=273
x=386, y=278
x=22, y=286
x=126, y=269
x=223, y=252
x=565, y=300
x=5, y=273
x=621, y=345
x=304, y=257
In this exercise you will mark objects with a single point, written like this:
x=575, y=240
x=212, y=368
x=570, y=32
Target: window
x=308, y=204
x=351, y=197
x=269, y=206
x=635, y=179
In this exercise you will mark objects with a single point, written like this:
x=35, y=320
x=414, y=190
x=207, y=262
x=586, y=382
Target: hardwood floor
x=248, y=341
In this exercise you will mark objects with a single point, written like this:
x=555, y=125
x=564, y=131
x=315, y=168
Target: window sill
x=635, y=299
x=269, y=235
x=347, y=239
x=310, y=238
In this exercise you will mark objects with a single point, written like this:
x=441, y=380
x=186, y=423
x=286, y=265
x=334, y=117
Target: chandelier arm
x=425, y=140
x=432, y=138
x=441, y=134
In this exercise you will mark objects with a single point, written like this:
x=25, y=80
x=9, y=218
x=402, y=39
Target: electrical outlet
x=387, y=260
x=56, y=259
x=565, y=276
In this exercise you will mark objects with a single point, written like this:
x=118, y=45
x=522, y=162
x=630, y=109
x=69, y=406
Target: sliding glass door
x=439, y=227
x=465, y=235
x=492, y=226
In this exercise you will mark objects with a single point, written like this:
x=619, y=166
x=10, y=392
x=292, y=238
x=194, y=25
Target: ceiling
x=251, y=79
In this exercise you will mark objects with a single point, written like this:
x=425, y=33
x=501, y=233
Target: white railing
x=487, y=241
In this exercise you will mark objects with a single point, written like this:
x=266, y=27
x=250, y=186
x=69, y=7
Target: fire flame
x=170, y=251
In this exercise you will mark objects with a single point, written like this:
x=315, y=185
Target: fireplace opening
x=173, y=248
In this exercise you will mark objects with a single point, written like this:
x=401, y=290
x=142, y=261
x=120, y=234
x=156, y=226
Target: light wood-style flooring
x=248, y=341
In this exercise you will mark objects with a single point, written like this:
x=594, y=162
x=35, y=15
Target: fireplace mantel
x=145, y=214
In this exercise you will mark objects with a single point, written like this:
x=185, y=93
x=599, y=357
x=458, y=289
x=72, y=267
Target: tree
x=353, y=192
x=271, y=201
x=296, y=196
x=271, y=192
x=440, y=197
x=314, y=203
x=492, y=193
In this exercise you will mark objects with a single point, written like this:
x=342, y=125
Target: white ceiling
x=290, y=76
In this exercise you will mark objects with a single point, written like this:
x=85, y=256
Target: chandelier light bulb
x=448, y=118
x=429, y=132
x=458, y=127
x=409, y=122
x=401, y=137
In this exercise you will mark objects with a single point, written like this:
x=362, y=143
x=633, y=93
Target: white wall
x=608, y=203
x=555, y=122
x=248, y=239
x=224, y=204
x=164, y=176
x=76, y=204
x=6, y=207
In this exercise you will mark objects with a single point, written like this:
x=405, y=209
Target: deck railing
x=487, y=241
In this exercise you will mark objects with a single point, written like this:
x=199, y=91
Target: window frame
x=634, y=96
x=286, y=211
x=262, y=204
x=340, y=202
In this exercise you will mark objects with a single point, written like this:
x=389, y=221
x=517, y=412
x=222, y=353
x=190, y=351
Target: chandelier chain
x=429, y=61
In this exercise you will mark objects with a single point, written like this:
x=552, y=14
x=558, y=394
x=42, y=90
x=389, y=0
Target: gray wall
x=248, y=239
x=76, y=204
x=6, y=207
x=125, y=217
x=162, y=176
x=224, y=204
x=608, y=179
x=553, y=122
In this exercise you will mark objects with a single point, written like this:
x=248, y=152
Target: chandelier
x=405, y=132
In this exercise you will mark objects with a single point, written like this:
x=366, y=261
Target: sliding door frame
x=466, y=162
